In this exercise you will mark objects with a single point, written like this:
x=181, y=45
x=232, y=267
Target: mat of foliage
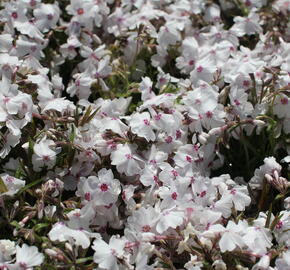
x=144, y=134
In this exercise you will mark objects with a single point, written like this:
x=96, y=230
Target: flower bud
x=50, y=252
x=259, y=123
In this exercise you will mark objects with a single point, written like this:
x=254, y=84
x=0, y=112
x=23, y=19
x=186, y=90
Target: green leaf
x=15, y=224
x=40, y=226
x=83, y=260
x=3, y=187
x=32, y=184
x=268, y=217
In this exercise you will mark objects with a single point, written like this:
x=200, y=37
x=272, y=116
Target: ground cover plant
x=144, y=134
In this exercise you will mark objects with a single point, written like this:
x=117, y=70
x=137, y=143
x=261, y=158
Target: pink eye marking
x=199, y=69
x=146, y=228
x=128, y=156
x=189, y=159
x=14, y=15
x=174, y=173
x=246, y=83
x=202, y=194
x=157, y=116
x=237, y=102
x=191, y=62
x=209, y=114
x=146, y=122
x=174, y=195
x=104, y=187
x=284, y=101
x=233, y=191
x=80, y=11
x=88, y=196
x=168, y=139
x=46, y=158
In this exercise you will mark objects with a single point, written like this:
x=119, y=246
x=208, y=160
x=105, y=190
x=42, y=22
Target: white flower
x=12, y=184
x=246, y=26
x=106, y=255
x=232, y=236
x=282, y=106
x=27, y=257
x=126, y=160
x=60, y=232
x=46, y=16
x=102, y=190
x=140, y=124
x=44, y=155
x=7, y=249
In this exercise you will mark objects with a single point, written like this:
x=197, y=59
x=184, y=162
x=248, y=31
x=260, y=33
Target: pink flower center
x=202, y=194
x=174, y=195
x=246, y=83
x=233, y=191
x=128, y=156
x=146, y=122
x=104, y=187
x=178, y=134
x=46, y=158
x=189, y=159
x=199, y=69
x=14, y=15
x=80, y=11
x=237, y=102
x=157, y=117
x=174, y=173
x=284, y=101
x=49, y=17
x=168, y=139
x=209, y=114
x=146, y=228
x=191, y=62
x=88, y=196
x=153, y=161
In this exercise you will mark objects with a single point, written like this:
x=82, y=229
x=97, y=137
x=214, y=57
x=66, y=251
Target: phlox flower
x=247, y=25
x=60, y=232
x=107, y=255
x=12, y=184
x=44, y=154
x=232, y=236
x=26, y=258
x=140, y=124
x=101, y=190
x=126, y=160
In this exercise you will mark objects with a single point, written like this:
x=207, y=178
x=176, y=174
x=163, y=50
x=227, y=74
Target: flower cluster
x=144, y=134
